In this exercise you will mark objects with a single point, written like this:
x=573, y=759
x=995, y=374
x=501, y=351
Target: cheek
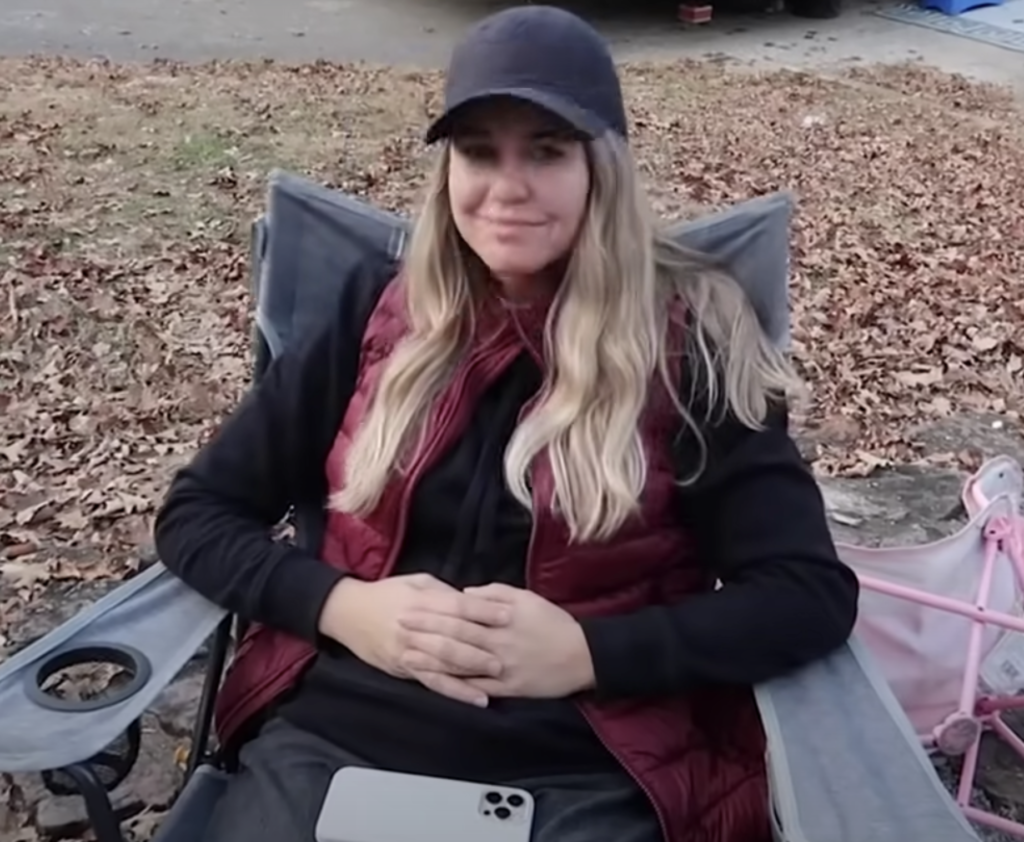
x=565, y=200
x=465, y=195
x=572, y=197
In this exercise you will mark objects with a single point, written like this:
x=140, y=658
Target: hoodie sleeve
x=214, y=528
x=759, y=526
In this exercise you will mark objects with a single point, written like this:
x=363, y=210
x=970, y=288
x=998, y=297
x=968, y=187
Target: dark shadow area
x=622, y=20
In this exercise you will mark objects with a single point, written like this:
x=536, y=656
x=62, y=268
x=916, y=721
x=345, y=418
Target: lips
x=513, y=223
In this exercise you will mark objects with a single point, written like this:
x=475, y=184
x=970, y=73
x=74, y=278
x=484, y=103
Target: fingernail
x=480, y=701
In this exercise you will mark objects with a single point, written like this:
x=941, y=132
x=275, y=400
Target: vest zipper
x=636, y=778
x=530, y=404
x=662, y=823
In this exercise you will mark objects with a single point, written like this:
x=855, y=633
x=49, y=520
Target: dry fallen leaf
x=23, y=576
x=125, y=329
x=127, y=194
x=141, y=827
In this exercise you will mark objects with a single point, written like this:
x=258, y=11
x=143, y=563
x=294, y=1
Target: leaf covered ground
x=126, y=193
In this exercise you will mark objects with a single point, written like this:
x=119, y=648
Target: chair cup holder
x=135, y=674
x=108, y=768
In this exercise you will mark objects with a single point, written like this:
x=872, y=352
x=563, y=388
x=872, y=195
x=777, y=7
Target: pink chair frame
x=961, y=732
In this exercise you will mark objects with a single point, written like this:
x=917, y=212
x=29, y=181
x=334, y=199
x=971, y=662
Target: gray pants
x=284, y=774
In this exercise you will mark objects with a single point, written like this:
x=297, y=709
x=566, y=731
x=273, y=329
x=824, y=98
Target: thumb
x=426, y=582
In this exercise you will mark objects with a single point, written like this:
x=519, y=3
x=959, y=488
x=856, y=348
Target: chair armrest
x=844, y=764
x=154, y=616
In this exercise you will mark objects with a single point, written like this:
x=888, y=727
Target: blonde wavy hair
x=606, y=337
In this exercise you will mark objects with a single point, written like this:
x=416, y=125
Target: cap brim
x=582, y=121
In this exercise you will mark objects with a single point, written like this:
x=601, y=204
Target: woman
x=539, y=446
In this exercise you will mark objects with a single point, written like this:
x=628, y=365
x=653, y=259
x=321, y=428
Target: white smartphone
x=370, y=805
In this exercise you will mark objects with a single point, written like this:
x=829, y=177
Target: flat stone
x=1001, y=775
x=176, y=707
x=152, y=784
x=148, y=555
x=899, y=507
x=65, y=817
x=916, y=504
x=949, y=773
x=156, y=778
x=19, y=795
x=1001, y=770
x=987, y=434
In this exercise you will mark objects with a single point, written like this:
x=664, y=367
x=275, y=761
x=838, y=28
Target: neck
x=521, y=290
x=528, y=289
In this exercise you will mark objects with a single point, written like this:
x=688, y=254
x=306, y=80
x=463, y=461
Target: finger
x=414, y=660
x=457, y=657
x=495, y=591
x=471, y=608
x=417, y=659
x=474, y=634
x=493, y=688
x=484, y=611
x=452, y=687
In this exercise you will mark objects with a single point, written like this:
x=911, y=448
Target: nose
x=511, y=181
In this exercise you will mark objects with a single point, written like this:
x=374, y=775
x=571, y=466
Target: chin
x=514, y=272
x=503, y=264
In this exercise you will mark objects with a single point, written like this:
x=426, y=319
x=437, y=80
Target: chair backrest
x=312, y=238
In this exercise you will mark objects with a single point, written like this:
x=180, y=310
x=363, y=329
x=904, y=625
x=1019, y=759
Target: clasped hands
x=471, y=645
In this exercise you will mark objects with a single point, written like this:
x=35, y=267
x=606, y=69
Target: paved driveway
x=420, y=32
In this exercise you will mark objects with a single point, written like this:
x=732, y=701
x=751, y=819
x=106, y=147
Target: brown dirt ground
x=126, y=193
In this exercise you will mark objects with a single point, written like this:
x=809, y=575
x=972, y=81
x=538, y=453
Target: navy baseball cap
x=542, y=55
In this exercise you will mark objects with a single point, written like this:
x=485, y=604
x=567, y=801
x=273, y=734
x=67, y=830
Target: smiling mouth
x=513, y=223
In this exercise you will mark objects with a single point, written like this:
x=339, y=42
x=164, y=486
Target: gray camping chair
x=844, y=764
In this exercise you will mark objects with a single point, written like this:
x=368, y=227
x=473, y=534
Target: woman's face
x=518, y=184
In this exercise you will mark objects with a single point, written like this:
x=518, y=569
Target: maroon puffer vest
x=699, y=757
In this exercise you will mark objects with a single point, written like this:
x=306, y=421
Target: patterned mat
x=1000, y=26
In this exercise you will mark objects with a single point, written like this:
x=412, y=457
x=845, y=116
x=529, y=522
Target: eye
x=476, y=151
x=547, y=152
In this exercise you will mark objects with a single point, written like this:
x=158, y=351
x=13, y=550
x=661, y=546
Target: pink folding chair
x=944, y=621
